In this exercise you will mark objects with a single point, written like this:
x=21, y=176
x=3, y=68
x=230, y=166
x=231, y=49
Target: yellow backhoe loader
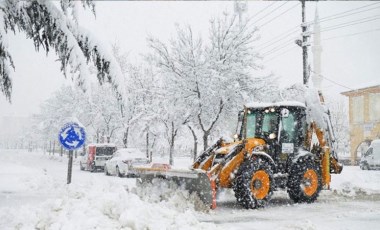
x=272, y=150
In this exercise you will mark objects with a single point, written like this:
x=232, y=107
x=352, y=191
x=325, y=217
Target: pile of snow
x=354, y=182
x=34, y=195
x=92, y=202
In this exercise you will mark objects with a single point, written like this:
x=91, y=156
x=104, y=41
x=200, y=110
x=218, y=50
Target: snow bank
x=94, y=203
x=354, y=182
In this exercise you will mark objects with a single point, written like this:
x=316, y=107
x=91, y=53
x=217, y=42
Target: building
x=364, y=118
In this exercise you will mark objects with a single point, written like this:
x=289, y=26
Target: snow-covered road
x=34, y=195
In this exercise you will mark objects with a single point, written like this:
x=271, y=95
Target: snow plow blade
x=195, y=180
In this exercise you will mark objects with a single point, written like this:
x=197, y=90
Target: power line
x=263, y=10
x=335, y=27
x=290, y=31
x=345, y=12
x=280, y=54
x=322, y=21
x=350, y=35
x=279, y=47
x=351, y=23
x=334, y=82
x=276, y=17
x=279, y=37
x=271, y=12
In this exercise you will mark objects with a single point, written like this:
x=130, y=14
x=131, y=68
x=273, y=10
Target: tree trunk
x=53, y=147
x=171, y=152
x=195, y=150
x=49, y=147
x=205, y=140
x=125, y=139
x=147, y=144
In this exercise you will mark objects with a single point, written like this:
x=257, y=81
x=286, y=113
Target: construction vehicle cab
x=282, y=128
x=272, y=150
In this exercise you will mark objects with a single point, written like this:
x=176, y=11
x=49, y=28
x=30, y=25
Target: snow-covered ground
x=34, y=195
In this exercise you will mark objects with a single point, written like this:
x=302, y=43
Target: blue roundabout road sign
x=72, y=136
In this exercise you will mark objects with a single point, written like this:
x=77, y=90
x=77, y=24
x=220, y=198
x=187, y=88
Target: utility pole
x=304, y=45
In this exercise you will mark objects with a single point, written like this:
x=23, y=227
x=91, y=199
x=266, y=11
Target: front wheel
x=118, y=173
x=304, y=182
x=253, y=185
x=106, y=171
x=92, y=167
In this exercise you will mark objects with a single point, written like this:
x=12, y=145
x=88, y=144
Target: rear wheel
x=365, y=166
x=304, y=182
x=81, y=166
x=254, y=183
x=118, y=173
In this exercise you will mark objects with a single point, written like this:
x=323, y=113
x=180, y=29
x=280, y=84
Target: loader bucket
x=193, y=180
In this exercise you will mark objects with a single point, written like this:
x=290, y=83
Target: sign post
x=71, y=136
x=70, y=167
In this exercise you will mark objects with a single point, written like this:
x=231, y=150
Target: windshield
x=261, y=123
x=105, y=151
x=270, y=122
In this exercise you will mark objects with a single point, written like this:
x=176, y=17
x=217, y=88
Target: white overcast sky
x=350, y=56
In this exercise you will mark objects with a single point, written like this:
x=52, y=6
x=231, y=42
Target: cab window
x=251, y=124
x=270, y=122
x=288, y=128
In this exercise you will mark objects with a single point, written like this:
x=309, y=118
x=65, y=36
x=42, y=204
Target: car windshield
x=105, y=151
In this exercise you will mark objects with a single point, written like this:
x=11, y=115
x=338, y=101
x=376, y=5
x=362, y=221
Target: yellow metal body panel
x=225, y=179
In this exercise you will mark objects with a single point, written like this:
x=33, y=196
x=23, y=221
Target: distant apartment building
x=364, y=118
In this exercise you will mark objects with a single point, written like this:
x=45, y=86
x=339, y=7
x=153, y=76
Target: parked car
x=96, y=156
x=122, y=162
x=371, y=158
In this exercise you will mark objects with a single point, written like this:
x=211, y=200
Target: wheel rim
x=260, y=184
x=310, y=182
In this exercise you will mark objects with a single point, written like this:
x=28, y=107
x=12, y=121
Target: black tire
x=81, y=166
x=118, y=172
x=364, y=166
x=253, y=185
x=305, y=181
x=92, y=167
x=106, y=171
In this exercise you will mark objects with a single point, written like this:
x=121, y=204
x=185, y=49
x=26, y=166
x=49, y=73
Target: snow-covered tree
x=54, y=26
x=55, y=112
x=212, y=79
x=106, y=109
x=340, y=124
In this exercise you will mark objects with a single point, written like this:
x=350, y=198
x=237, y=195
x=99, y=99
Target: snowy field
x=34, y=195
